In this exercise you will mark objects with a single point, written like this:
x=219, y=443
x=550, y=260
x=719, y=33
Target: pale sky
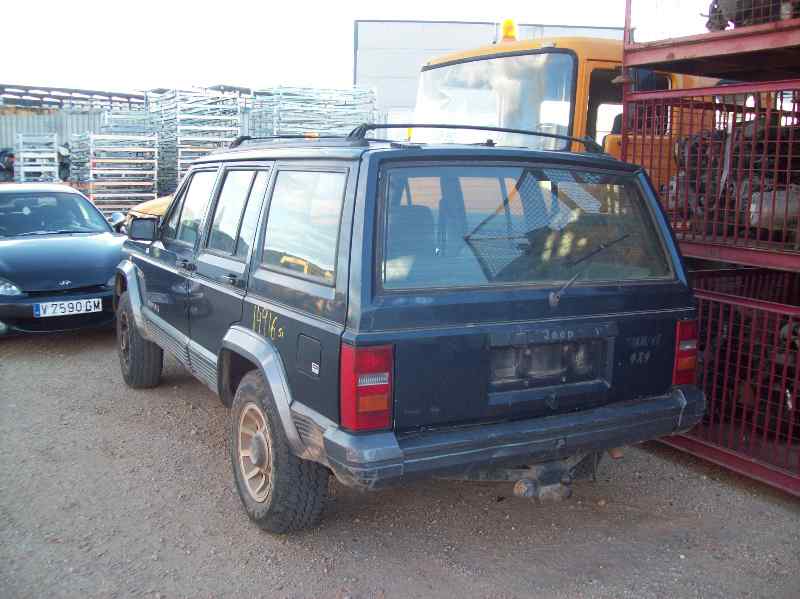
x=140, y=44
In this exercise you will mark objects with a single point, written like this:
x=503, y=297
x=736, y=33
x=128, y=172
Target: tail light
x=685, y=352
x=365, y=387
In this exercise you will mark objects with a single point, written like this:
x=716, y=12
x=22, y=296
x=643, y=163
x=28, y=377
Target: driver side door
x=168, y=262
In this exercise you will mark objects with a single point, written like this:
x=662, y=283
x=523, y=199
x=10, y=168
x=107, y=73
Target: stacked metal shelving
x=118, y=168
x=298, y=110
x=192, y=124
x=36, y=158
x=725, y=157
x=137, y=122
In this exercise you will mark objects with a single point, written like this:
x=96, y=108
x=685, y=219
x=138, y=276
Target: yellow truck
x=564, y=85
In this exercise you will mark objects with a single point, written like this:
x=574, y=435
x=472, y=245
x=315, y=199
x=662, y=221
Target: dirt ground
x=110, y=492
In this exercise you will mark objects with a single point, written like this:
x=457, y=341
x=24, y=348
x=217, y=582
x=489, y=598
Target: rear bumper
x=375, y=460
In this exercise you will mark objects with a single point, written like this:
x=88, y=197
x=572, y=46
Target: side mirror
x=117, y=221
x=143, y=229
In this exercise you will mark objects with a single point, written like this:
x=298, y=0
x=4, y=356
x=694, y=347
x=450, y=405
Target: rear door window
x=467, y=226
x=247, y=230
x=228, y=211
x=303, y=223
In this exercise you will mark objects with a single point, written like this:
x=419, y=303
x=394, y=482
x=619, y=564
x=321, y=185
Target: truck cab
x=565, y=85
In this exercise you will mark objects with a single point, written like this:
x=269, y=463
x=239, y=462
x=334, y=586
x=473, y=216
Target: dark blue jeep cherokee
x=382, y=310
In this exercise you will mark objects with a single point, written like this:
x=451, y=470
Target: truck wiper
x=555, y=296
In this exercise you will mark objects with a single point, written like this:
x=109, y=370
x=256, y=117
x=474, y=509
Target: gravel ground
x=110, y=492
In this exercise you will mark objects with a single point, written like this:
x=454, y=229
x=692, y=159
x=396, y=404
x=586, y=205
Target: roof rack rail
x=242, y=139
x=360, y=132
x=246, y=138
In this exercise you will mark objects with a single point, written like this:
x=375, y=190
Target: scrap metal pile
x=745, y=177
x=727, y=163
x=117, y=168
x=191, y=124
x=36, y=158
x=299, y=110
x=742, y=13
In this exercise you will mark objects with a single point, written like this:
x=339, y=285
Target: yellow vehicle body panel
x=585, y=48
x=151, y=208
x=590, y=53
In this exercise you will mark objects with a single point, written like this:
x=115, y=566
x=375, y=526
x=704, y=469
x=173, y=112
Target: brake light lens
x=685, y=352
x=365, y=387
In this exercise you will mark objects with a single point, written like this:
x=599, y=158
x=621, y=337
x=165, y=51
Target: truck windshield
x=476, y=225
x=526, y=91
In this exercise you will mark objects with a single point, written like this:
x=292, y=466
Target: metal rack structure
x=725, y=159
x=115, y=170
x=136, y=122
x=36, y=158
x=749, y=345
x=742, y=40
x=66, y=97
x=298, y=110
x=191, y=124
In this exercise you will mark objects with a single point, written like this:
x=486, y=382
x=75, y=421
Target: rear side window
x=195, y=202
x=467, y=226
x=303, y=223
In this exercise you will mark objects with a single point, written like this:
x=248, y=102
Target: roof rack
x=360, y=132
x=245, y=138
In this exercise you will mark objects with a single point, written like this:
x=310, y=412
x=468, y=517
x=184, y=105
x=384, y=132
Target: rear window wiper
x=600, y=248
x=555, y=296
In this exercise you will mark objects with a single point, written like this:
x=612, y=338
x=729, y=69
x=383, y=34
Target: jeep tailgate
x=464, y=374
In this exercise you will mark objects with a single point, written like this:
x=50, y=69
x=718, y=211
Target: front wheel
x=280, y=492
x=140, y=360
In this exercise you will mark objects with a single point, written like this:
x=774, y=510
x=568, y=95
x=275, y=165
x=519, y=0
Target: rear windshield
x=468, y=226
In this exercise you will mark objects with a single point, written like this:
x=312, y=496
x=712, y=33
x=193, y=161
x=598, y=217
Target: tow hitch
x=532, y=489
x=547, y=482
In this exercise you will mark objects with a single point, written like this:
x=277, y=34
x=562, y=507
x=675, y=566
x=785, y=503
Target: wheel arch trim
x=248, y=344
x=127, y=270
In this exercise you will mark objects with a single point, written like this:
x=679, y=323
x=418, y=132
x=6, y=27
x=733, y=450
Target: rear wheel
x=280, y=492
x=140, y=360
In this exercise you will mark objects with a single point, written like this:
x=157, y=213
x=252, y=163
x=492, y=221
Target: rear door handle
x=186, y=265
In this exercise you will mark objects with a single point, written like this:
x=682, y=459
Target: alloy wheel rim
x=255, y=452
x=124, y=339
